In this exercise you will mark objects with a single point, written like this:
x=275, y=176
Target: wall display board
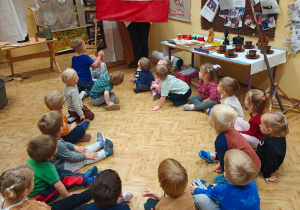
x=180, y=10
x=244, y=25
x=294, y=16
x=65, y=38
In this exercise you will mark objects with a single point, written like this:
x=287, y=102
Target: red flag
x=133, y=10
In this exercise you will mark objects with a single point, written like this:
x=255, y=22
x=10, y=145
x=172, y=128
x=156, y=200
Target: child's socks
x=108, y=147
x=100, y=139
x=189, y=107
x=127, y=196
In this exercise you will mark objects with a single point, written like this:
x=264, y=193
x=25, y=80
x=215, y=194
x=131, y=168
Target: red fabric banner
x=133, y=10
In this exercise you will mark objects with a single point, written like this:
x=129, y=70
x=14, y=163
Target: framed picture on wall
x=90, y=17
x=90, y=30
x=89, y=3
x=100, y=43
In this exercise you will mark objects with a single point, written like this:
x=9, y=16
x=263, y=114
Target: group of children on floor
x=54, y=157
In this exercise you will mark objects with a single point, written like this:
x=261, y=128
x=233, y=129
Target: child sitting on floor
x=69, y=156
x=156, y=85
x=271, y=149
x=101, y=91
x=74, y=103
x=143, y=83
x=49, y=182
x=107, y=193
x=207, y=88
x=240, y=192
x=227, y=88
x=172, y=89
x=81, y=63
x=98, y=71
x=222, y=119
x=173, y=180
x=16, y=183
x=55, y=100
x=257, y=102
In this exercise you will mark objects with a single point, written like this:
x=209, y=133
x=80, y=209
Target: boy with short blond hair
x=81, y=63
x=55, y=100
x=48, y=182
x=240, y=192
x=101, y=91
x=145, y=78
x=173, y=180
x=74, y=102
x=222, y=119
x=69, y=156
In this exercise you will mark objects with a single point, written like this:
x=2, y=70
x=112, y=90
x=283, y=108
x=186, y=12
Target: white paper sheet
x=232, y=4
x=269, y=6
x=227, y=4
x=240, y=3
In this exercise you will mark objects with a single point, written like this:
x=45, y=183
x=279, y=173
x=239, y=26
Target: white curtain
x=13, y=20
x=114, y=50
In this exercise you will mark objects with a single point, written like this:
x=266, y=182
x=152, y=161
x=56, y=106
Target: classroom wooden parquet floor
x=142, y=138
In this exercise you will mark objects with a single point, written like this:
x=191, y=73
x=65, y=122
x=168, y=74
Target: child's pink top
x=209, y=90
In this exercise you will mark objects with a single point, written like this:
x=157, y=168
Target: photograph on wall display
x=90, y=16
x=100, y=43
x=90, y=30
x=89, y=3
x=224, y=13
x=250, y=22
x=227, y=22
x=272, y=22
x=260, y=17
x=212, y=5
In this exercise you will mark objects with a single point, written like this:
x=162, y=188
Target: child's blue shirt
x=145, y=78
x=234, y=197
x=81, y=64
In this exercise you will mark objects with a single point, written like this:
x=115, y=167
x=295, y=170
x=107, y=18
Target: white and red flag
x=133, y=10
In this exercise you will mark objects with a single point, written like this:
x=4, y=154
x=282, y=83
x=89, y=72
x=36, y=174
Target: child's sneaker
x=137, y=73
x=156, y=96
x=82, y=95
x=205, y=156
x=127, y=196
x=116, y=100
x=189, y=107
x=71, y=119
x=108, y=147
x=91, y=172
x=112, y=107
x=100, y=139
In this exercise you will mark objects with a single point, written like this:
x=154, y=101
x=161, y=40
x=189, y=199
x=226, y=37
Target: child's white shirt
x=234, y=102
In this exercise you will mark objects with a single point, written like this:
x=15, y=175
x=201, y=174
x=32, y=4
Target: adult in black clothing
x=139, y=33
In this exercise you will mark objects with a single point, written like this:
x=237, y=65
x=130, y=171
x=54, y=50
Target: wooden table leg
x=52, y=56
x=9, y=61
x=249, y=79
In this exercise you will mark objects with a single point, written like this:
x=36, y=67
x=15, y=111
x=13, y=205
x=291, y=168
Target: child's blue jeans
x=85, y=86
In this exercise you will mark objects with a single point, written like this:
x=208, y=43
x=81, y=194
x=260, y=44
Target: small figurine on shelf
x=265, y=39
x=210, y=37
x=226, y=41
